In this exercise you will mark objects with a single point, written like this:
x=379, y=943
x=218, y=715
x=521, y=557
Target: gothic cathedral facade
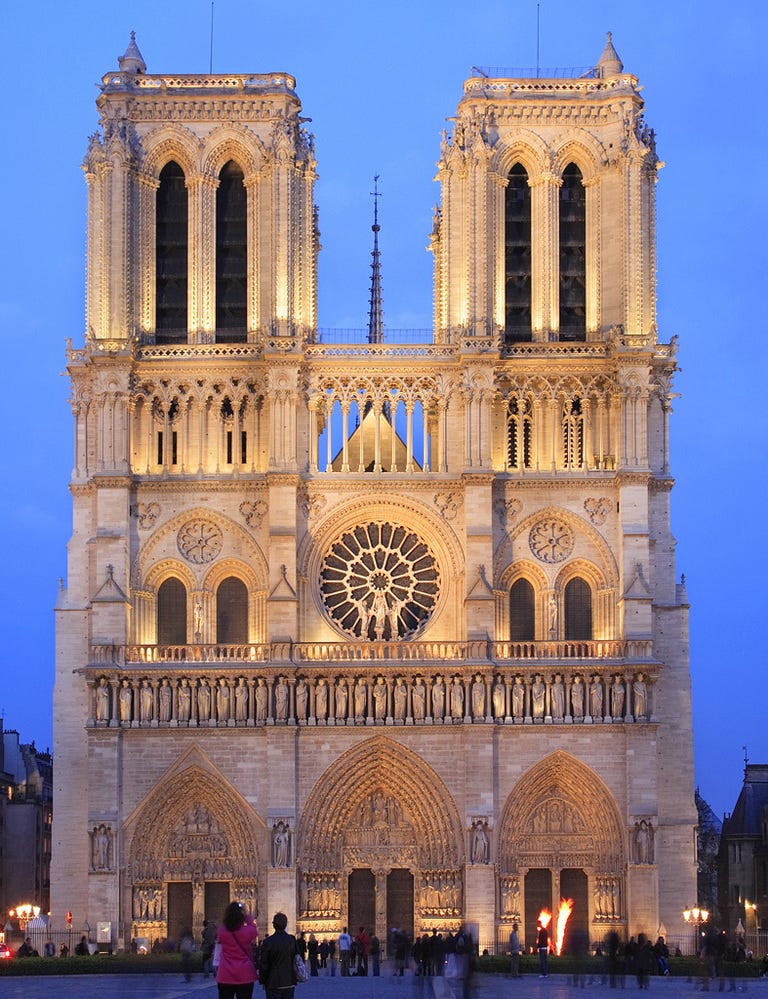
x=377, y=633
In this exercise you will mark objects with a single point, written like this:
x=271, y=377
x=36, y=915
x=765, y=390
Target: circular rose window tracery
x=551, y=540
x=379, y=581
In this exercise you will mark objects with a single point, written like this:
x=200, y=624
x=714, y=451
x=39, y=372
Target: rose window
x=551, y=540
x=379, y=581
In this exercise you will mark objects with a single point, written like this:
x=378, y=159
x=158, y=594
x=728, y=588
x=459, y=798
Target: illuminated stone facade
x=383, y=633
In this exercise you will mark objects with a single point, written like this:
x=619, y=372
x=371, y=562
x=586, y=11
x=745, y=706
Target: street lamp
x=695, y=917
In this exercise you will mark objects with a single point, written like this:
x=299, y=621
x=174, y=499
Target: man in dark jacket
x=277, y=954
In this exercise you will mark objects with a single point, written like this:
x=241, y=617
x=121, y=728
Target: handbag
x=300, y=973
x=216, y=959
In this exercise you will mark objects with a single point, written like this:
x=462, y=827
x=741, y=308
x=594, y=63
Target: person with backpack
x=236, y=972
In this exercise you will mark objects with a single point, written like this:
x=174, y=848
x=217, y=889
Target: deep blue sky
x=378, y=80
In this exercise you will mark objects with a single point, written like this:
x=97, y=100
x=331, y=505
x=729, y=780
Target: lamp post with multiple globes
x=695, y=917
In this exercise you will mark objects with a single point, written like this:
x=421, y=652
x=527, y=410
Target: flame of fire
x=545, y=917
x=563, y=915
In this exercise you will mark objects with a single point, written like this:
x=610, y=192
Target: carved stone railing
x=320, y=653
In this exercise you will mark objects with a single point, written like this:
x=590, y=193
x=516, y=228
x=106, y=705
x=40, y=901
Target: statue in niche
x=302, y=699
x=478, y=697
x=577, y=698
x=557, y=697
x=184, y=700
x=321, y=700
x=498, y=698
x=146, y=701
x=204, y=701
x=510, y=896
x=262, y=700
x=281, y=844
x=281, y=700
x=596, y=698
x=438, y=698
x=518, y=698
x=457, y=698
x=361, y=696
x=101, y=847
x=401, y=698
x=480, y=852
x=341, y=700
x=419, y=699
x=538, y=696
x=640, y=695
x=643, y=842
x=380, y=699
x=241, y=700
x=617, y=698
x=125, y=701
x=164, y=701
x=102, y=701
x=222, y=700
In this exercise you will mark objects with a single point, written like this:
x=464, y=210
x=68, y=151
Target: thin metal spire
x=376, y=315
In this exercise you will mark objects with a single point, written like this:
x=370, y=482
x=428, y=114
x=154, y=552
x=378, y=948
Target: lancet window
x=517, y=255
x=519, y=433
x=522, y=613
x=573, y=255
x=171, y=612
x=231, y=256
x=171, y=252
x=577, y=600
x=232, y=612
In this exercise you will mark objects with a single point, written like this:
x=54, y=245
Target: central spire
x=375, y=314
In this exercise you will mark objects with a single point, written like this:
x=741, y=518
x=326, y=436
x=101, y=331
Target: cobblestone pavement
x=386, y=987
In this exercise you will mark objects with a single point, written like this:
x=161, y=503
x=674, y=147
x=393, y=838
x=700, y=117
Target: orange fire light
x=563, y=915
x=545, y=918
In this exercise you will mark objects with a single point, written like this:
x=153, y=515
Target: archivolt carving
x=233, y=141
x=561, y=809
x=170, y=142
x=193, y=827
x=587, y=153
x=382, y=799
x=528, y=148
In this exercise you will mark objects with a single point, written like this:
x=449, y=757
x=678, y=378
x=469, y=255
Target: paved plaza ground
x=386, y=987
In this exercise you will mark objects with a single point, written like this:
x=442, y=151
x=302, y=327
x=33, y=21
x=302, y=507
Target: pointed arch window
x=232, y=612
x=172, y=613
x=522, y=613
x=573, y=255
x=573, y=433
x=171, y=252
x=517, y=255
x=231, y=256
x=578, y=610
x=519, y=433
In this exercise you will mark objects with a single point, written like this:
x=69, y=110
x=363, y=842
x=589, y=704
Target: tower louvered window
x=231, y=256
x=573, y=255
x=517, y=256
x=171, y=250
x=519, y=433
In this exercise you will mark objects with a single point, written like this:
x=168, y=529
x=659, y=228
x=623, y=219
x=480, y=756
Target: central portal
x=362, y=901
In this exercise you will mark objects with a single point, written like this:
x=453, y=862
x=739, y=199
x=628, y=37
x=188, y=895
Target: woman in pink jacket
x=237, y=935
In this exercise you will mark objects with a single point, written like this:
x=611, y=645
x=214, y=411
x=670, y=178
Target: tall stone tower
x=378, y=633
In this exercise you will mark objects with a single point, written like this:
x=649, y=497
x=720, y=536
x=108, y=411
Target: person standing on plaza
x=237, y=934
x=277, y=955
x=376, y=955
x=514, y=950
x=345, y=948
x=542, y=946
x=313, y=948
x=207, y=942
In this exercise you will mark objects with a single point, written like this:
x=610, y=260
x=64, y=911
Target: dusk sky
x=378, y=82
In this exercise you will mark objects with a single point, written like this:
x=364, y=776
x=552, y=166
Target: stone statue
x=518, y=698
x=553, y=616
x=538, y=696
x=438, y=698
x=241, y=700
x=480, y=853
x=281, y=700
x=644, y=842
x=478, y=697
x=101, y=843
x=419, y=699
x=640, y=695
x=393, y=616
x=617, y=698
x=577, y=698
x=361, y=696
x=498, y=698
x=280, y=844
x=203, y=701
x=146, y=702
x=302, y=698
x=262, y=700
x=380, y=699
x=401, y=699
x=164, y=701
x=341, y=700
x=457, y=698
x=321, y=700
x=198, y=614
x=596, y=698
x=365, y=617
x=125, y=699
x=557, y=697
x=102, y=701
x=184, y=700
x=379, y=613
x=222, y=700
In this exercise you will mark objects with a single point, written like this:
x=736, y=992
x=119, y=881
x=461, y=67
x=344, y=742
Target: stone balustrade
x=136, y=698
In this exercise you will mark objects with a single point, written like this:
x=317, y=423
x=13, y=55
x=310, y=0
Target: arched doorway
x=190, y=848
x=561, y=836
x=380, y=835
